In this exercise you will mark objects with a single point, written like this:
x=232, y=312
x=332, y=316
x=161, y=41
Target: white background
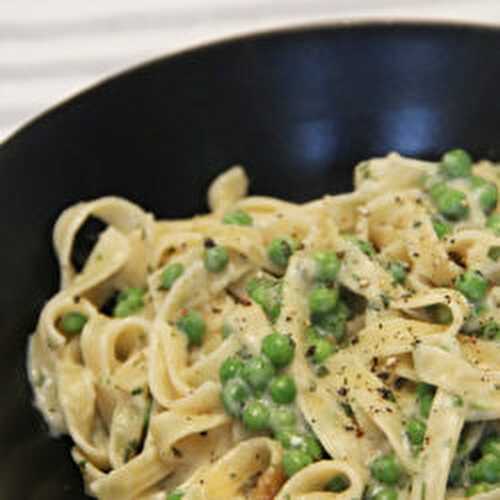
x=50, y=49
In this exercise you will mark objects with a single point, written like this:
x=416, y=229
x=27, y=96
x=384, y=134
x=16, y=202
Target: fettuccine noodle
x=346, y=348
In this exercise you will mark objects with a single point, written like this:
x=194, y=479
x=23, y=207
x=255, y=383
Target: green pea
x=437, y=189
x=258, y=371
x=338, y=483
x=398, y=271
x=415, y=429
x=175, y=495
x=386, y=469
x=327, y=266
x=365, y=246
x=170, y=275
x=283, y=389
x=450, y=202
x=425, y=396
x=473, y=285
x=441, y=227
x=312, y=334
x=230, y=368
x=486, y=470
x=334, y=323
x=133, y=294
x=323, y=300
x=491, y=331
x=130, y=301
x=320, y=350
x=235, y=393
x=456, y=163
x=280, y=250
x=282, y=418
x=295, y=460
x=493, y=223
x=193, y=325
x=73, y=322
x=488, y=198
x=487, y=191
x=290, y=438
x=441, y=314
x=216, y=259
x=386, y=494
x=491, y=445
x=267, y=294
x=494, y=253
x=238, y=217
x=256, y=416
x=313, y=447
x=475, y=489
x=122, y=310
x=256, y=289
x=279, y=349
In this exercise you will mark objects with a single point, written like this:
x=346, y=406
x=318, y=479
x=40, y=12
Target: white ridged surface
x=51, y=49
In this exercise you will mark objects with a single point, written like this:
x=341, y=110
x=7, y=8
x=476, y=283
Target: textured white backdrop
x=50, y=49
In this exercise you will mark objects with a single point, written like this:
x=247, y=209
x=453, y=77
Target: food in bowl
x=345, y=348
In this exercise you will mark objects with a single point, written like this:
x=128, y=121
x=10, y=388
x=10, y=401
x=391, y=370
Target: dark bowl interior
x=298, y=108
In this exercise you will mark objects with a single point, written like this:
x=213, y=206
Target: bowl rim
x=292, y=28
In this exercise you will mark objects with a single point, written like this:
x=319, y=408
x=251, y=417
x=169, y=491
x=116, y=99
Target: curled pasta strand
x=310, y=483
x=226, y=479
x=117, y=212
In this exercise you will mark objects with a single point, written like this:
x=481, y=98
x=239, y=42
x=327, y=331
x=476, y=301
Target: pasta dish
x=346, y=348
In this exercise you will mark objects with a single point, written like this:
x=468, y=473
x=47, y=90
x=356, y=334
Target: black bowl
x=298, y=108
